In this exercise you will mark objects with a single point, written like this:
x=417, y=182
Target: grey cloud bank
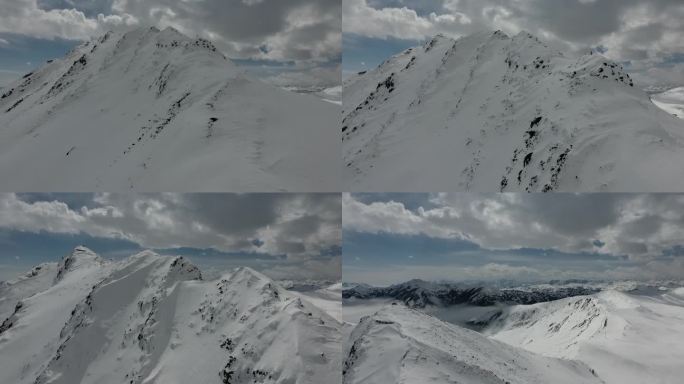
x=301, y=230
x=644, y=34
x=535, y=237
x=304, y=34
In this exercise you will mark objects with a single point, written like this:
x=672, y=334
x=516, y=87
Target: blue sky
x=283, y=235
x=363, y=53
x=289, y=42
x=644, y=35
x=389, y=238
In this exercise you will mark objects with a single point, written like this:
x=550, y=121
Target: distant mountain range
x=419, y=293
x=401, y=345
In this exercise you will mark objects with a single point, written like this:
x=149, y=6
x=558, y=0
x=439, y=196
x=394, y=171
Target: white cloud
x=300, y=31
x=298, y=226
x=291, y=29
x=284, y=30
x=27, y=18
x=639, y=226
x=402, y=23
x=644, y=32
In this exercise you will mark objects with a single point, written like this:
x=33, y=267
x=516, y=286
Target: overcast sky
x=290, y=41
x=390, y=238
x=644, y=34
x=287, y=236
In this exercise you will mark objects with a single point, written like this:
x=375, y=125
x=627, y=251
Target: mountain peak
x=145, y=254
x=160, y=108
x=249, y=273
x=82, y=250
x=171, y=29
x=500, y=34
x=524, y=34
x=82, y=254
x=432, y=349
x=418, y=283
x=186, y=269
x=80, y=257
x=514, y=114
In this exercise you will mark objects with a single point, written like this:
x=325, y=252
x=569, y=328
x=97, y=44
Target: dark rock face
x=9, y=322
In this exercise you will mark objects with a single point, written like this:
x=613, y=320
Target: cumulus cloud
x=640, y=227
x=285, y=31
x=27, y=18
x=403, y=23
x=299, y=227
x=644, y=33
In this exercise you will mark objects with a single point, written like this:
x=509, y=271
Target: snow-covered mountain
x=402, y=345
x=623, y=338
x=671, y=101
x=328, y=299
x=609, y=337
x=152, y=319
x=156, y=110
x=489, y=112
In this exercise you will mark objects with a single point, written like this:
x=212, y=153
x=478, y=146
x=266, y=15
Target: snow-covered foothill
x=402, y=345
x=624, y=338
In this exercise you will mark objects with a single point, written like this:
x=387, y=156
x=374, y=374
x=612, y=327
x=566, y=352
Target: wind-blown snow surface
x=624, y=338
x=329, y=299
x=332, y=95
x=489, y=112
x=155, y=110
x=671, y=101
x=151, y=319
x=402, y=345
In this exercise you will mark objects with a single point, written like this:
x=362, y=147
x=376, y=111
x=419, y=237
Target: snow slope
x=671, y=101
x=489, y=112
x=151, y=319
x=328, y=299
x=38, y=279
x=402, y=345
x=155, y=110
x=624, y=338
